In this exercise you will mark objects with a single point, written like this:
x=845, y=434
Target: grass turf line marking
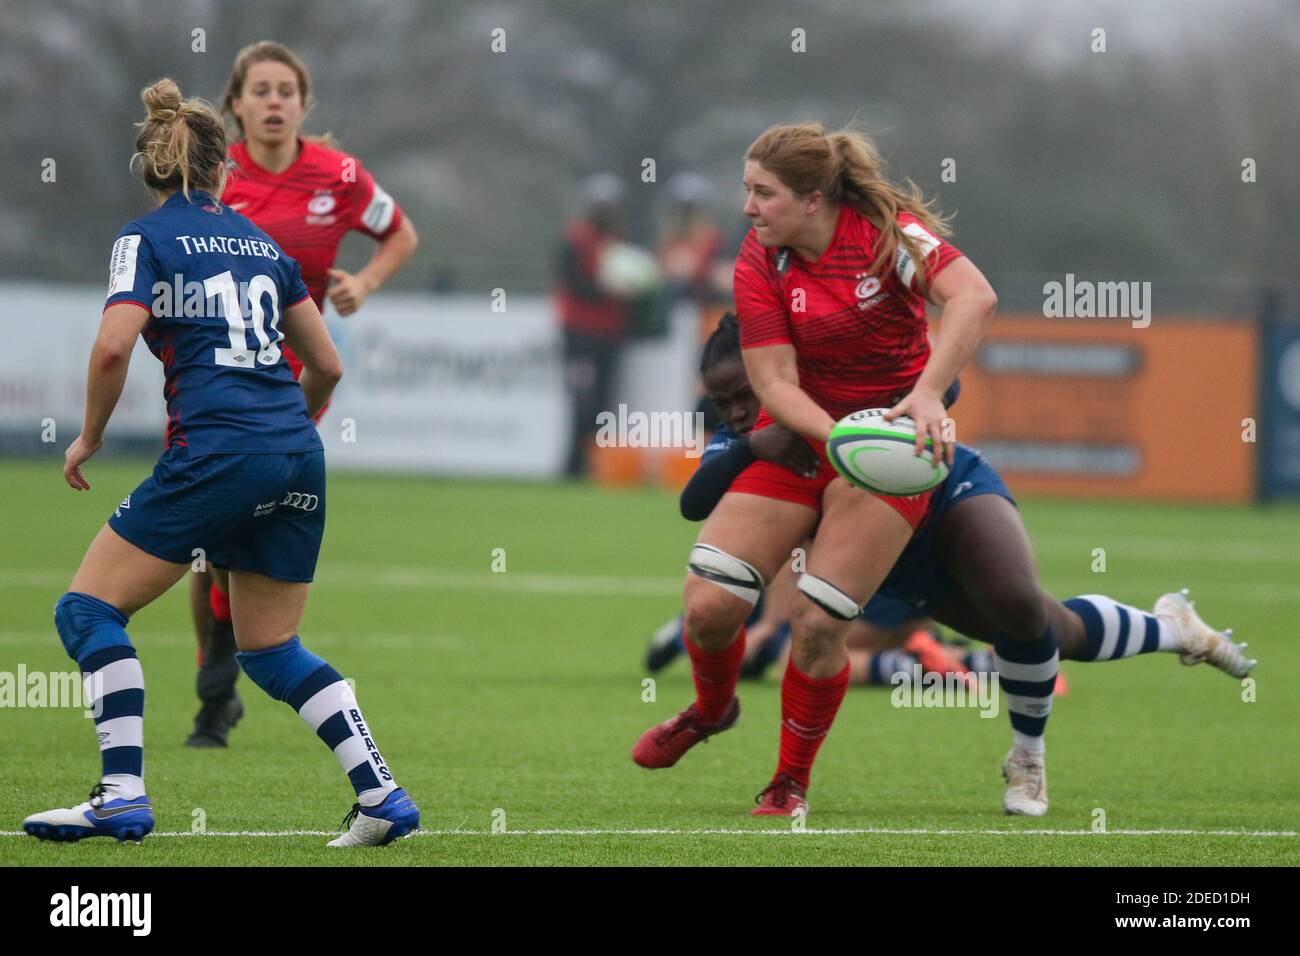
x=413, y=576
x=726, y=832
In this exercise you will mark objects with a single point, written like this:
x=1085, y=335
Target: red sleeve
x=939, y=252
x=374, y=212
x=760, y=304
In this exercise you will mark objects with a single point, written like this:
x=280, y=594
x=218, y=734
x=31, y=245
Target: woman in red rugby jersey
x=307, y=196
x=831, y=286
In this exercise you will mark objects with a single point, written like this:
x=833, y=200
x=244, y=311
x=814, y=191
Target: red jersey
x=309, y=208
x=860, y=340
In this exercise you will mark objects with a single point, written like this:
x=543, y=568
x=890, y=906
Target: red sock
x=808, y=707
x=220, y=603
x=715, y=676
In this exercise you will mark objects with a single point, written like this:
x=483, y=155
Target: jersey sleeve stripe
x=108, y=305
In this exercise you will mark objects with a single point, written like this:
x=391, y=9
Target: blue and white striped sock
x=1113, y=630
x=1027, y=673
x=325, y=702
x=114, y=686
x=93, y=633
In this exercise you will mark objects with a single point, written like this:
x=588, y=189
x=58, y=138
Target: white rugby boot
x=396, y=817
x=1199, y=641
x=101, y=815
x=1026, y=777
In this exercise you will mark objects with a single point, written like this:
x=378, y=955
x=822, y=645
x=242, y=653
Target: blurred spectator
x=594, y=320
x=690, y=243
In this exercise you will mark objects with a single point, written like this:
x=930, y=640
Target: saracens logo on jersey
x=320, y=208
x=868, y=291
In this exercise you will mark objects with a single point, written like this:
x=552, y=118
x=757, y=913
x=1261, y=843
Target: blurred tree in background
x=1126, y=163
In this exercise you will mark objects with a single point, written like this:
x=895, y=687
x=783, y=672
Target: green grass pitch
x=516, y=697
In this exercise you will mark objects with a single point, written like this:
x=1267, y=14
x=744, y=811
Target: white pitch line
x=345, y=577
x=368, y=577
x=811, y=831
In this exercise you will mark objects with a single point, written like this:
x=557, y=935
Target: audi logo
x=297, y=499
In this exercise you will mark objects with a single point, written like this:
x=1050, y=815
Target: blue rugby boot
x=99, y=816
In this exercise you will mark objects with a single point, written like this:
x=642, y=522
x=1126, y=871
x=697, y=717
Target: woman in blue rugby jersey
x=241, y=484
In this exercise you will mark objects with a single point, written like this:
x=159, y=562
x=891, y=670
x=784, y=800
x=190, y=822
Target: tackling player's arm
x=110, y=357
x=774, y=374
x=968, y=303
x=322, y=368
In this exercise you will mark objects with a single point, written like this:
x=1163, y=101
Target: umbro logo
x=961, y=488
x=125, y=505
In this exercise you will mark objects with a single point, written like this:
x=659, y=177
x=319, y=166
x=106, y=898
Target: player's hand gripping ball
x=880, y=455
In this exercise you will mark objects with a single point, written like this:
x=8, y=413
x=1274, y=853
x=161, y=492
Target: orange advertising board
x=1098, y=408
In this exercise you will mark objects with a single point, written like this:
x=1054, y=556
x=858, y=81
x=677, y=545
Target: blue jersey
x=215, y=287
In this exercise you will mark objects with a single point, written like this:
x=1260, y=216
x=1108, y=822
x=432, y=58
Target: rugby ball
x=880, y=455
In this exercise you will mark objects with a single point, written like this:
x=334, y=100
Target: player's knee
x=816, y=630
x=720, y=593
x=734, y=575
x=711, y=616
x=87, y=625
x=1019, y=612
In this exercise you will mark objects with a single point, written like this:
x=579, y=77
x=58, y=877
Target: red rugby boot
x=664, y=744
x=784, y=797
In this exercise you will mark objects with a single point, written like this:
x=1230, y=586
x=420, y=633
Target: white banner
x=48, y=332
x=445, y=385
x=432, y=384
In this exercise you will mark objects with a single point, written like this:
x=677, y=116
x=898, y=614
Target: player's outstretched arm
x=110, y=357
x=322, y=368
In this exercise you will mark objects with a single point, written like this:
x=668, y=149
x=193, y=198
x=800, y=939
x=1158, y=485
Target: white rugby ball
x=880, y=455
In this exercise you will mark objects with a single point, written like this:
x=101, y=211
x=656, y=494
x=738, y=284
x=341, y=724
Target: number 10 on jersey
x=239, y=355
